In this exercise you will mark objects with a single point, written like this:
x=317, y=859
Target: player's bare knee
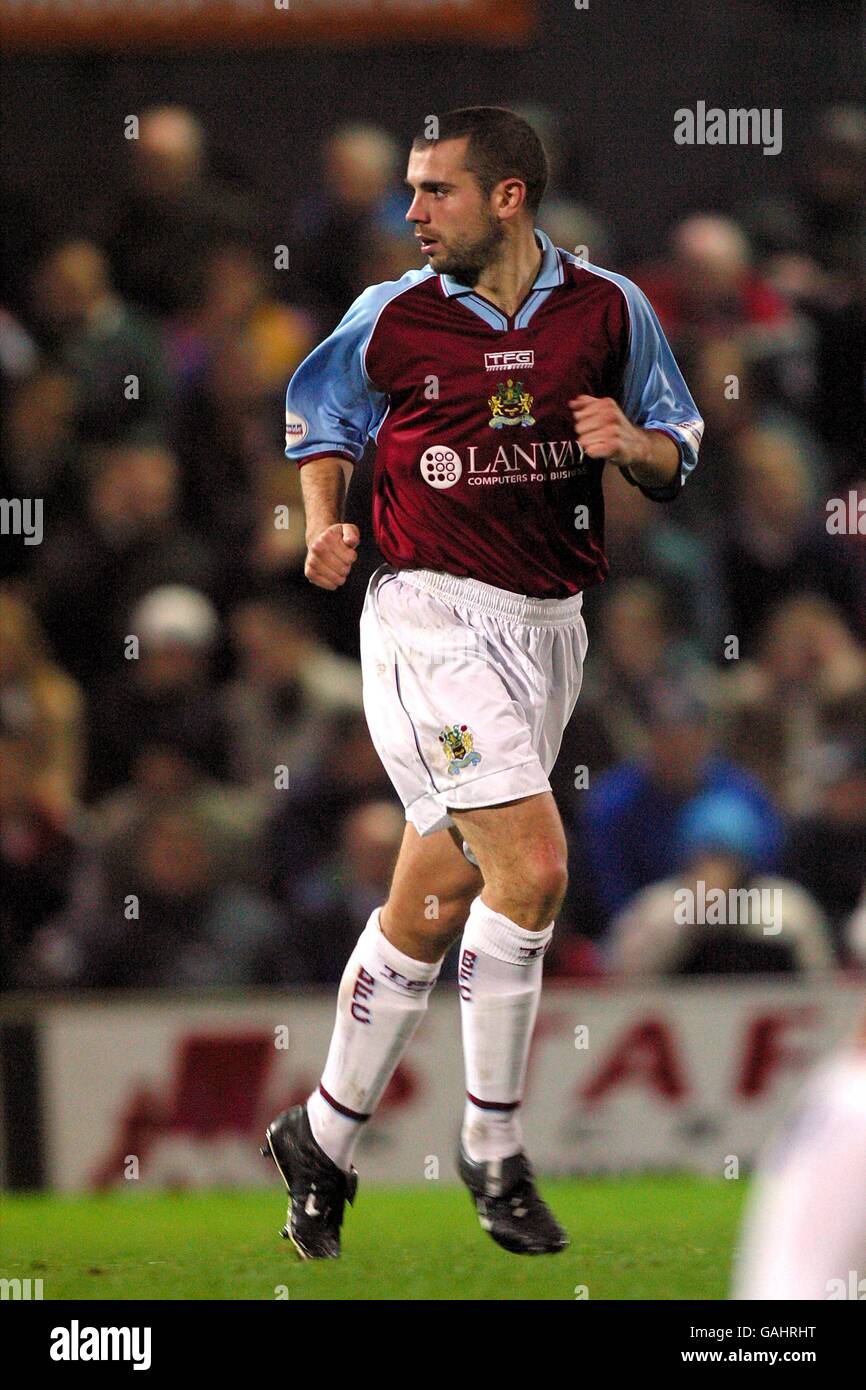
x=545, y=875
x=539, y=911
x=533, y=897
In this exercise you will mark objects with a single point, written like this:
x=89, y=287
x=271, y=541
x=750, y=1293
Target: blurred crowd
x=189, y=795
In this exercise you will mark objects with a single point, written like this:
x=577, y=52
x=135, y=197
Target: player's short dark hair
x=501, y=145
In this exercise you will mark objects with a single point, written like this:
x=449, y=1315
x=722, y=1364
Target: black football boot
x=509, y=1208
x=318, y=1189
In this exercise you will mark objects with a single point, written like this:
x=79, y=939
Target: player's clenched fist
x=603, y=432
x=332, y=554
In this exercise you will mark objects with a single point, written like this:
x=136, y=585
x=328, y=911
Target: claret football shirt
x=478, y=471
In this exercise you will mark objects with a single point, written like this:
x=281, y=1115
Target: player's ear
x=511, y=195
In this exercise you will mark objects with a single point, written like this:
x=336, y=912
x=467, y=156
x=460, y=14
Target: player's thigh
x=520, y=845
x=432, y=887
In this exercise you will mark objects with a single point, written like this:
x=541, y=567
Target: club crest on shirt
x=511, y=405
x=457, y=745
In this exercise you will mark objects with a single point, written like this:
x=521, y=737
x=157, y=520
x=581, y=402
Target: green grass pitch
x=647, y=1237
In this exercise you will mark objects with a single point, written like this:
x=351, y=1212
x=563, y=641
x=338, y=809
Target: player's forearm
x=656, y=458
x=323, y=485
x=604, y=432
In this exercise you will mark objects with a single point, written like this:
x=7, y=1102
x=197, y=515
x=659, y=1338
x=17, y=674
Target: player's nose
x=416, y=212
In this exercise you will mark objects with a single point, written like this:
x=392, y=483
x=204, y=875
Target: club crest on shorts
x=511, y=405
x=457, y=745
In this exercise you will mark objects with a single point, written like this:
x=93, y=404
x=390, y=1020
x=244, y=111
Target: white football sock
x=382, y=999
x=500, y=985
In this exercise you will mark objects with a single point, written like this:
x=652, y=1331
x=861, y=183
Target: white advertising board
x=678, y=1076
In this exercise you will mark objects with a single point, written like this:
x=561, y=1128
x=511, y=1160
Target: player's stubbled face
x=457, y=232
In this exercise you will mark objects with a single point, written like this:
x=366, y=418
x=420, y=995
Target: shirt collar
x=549, y=275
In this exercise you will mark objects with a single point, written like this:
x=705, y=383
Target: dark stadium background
x=154, y=778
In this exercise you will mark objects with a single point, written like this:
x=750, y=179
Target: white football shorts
x=467, y=688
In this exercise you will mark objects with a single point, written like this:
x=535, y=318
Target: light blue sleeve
x=654, y=394
x=332, y=407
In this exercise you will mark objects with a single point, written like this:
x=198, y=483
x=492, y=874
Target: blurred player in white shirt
x=805, y=1231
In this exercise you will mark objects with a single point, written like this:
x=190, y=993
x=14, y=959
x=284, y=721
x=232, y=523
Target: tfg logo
x=509, y=361
x=528, y=953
